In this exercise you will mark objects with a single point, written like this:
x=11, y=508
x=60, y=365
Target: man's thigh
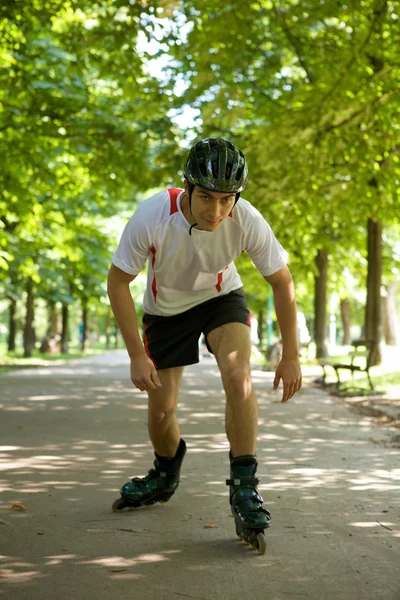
x=165, y=398
x=231, y=346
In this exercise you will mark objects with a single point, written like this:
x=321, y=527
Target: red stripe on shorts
x=146, y=344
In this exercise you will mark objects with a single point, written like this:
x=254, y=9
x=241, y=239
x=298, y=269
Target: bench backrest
x=362, y=349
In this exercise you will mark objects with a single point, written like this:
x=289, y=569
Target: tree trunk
x=391, y=322
x=84, y=325
x=345, y=311
x=320, y=315
x=53, y=319
x=29, y=331
x=373, y=311
x=261, y=327
x=12, y=324
x=64, y=331
x=108, y=330
x=116, y=333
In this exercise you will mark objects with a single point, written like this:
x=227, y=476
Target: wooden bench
x=362, y=350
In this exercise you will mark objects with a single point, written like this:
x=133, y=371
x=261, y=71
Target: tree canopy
x=90, y=91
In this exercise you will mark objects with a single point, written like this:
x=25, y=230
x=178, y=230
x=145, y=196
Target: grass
x=14, y=360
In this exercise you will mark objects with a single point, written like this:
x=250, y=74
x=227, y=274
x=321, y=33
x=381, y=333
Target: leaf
x=118, y=570
x=20, y=507
x=210, y=526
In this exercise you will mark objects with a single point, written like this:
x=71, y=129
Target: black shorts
x=174, y=341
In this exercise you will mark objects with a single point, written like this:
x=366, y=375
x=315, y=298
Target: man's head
x=215, y=174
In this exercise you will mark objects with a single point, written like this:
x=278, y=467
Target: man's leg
x=162, y=422
x=231, y=345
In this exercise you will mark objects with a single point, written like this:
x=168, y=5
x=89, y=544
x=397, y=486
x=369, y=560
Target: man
x=191, y=238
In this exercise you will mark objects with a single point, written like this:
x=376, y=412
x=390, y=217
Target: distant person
x=191, y=237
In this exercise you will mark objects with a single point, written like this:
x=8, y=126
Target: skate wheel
x=261, y=543
x=119, y=505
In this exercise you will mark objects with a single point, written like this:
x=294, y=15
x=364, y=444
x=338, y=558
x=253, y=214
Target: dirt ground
x=71, y=435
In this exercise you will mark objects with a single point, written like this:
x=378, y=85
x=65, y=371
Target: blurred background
x=99, y=103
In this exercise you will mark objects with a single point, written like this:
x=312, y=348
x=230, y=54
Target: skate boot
x=246, y=503
x=158, y=486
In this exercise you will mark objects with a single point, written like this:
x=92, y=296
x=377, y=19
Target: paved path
x=71, y=435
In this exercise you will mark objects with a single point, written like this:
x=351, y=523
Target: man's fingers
x=276, y=381
x=155, y=379
x=286, y=392
x=148, y=383
x=289, y=390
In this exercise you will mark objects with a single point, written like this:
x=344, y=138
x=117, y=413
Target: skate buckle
x=253, y=481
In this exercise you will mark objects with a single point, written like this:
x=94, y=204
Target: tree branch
x=294, y=42
x=377, y=15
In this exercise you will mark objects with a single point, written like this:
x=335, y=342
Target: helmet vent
x=216, y=164
x=202, y=166
x=239, y=173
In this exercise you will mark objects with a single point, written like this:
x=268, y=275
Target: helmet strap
x=191, y=188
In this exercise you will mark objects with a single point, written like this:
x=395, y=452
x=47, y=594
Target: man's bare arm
x=143, y=372
x=285, y=307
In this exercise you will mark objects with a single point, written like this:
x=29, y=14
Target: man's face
x=210, y=209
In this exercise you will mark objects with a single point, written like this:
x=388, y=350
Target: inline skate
x=158, y=486
x=251, y=518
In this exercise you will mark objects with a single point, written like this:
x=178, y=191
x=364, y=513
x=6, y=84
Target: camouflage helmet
x=216, y=164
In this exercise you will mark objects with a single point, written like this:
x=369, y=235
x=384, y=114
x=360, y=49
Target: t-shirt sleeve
x=135, y=243
x=261, y=244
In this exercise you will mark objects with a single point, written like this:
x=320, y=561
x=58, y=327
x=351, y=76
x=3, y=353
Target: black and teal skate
x=158, y=486
x=251, y=518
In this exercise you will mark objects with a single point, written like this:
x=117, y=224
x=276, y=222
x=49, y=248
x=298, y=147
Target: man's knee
x=237, y=383
x=159, y=415
x=162, y=406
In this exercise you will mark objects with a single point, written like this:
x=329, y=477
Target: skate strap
x=243, y=481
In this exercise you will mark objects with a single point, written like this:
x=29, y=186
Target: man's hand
x=143, y=374
x=290, y=373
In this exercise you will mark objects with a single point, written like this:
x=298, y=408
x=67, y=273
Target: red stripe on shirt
x=154, y=284
x=219, y=280
x=173, y=197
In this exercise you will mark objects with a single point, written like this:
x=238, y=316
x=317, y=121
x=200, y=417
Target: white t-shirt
x=185, y=270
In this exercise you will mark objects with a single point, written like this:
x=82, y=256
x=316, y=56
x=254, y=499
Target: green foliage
x=309, y=90
x=79, y=122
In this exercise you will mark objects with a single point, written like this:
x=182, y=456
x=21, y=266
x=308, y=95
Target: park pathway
x=71, y=435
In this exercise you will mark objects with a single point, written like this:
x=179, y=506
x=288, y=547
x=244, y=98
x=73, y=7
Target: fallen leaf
x=117, y=570
x=18, y=507
x=210, y=526
x=40, y=532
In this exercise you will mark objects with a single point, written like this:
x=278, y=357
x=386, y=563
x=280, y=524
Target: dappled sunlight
x=119, y=561
x=67, y=451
